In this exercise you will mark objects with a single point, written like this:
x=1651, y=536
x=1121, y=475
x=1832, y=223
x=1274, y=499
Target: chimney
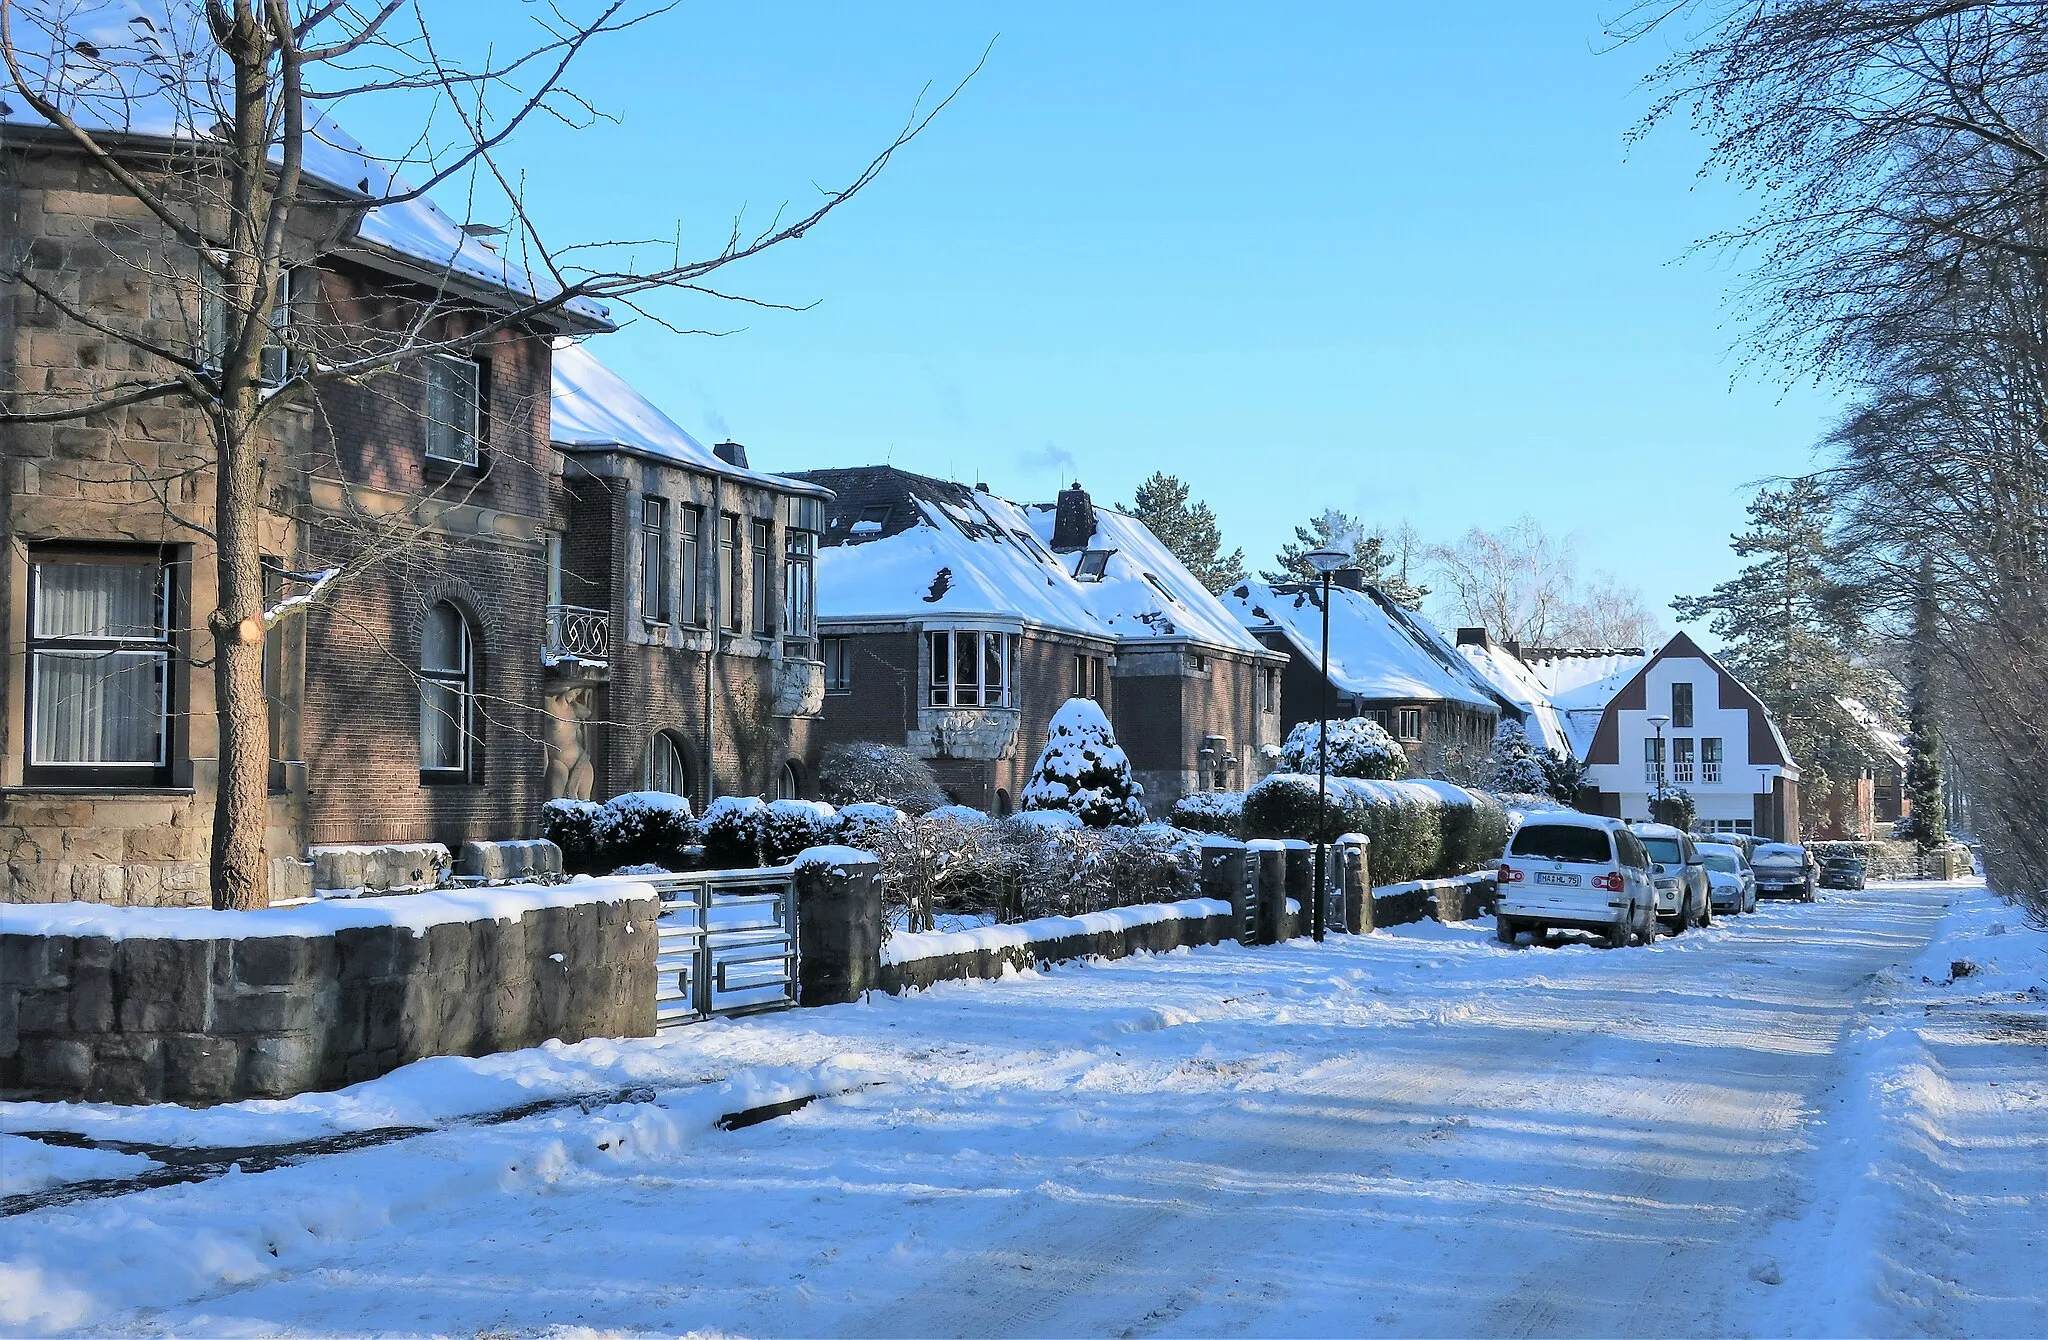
x=1073, y=522
x=1472, y=637
x=732, y=453
x=1351, y=579
x=1514, y=647
x=981, y=487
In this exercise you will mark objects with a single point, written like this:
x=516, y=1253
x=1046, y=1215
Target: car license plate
x=1546, y=877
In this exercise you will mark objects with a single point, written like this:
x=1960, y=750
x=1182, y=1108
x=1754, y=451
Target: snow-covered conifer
x=1082, y=769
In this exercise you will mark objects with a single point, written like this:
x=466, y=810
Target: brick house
x=1387, y=663
x=439, y=694
x=956, y=622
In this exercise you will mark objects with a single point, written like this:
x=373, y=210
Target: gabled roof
x=1514, y=681
x=1766, y=745
x=1887, y=741
x=124, y=68
x=1377, y=649
x=1144, y=592
x=592, y=408
x=902, y=546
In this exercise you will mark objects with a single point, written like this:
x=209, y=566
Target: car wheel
x=1505, y=929
x=1707, y=911
x=1646, y=924
x=1620, y=934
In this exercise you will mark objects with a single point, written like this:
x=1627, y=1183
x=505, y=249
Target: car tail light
x=1609, y=882
x=1508, y=875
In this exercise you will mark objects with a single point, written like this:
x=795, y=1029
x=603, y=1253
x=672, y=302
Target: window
x=1199, y=663
x=1269, y=689
x=1653, y=759
x=1681, y=706
x=551, y=556
x=789, y=784
x=453, y=396
x=692, y=526
x=274, y=359
x=798, y=582
x=99, y=667
x=873, y=518
x=668, y=764
x=447, y=694
x=1632, y=853
x=1710, y=760
x=763, y=591
x=729, y=567
x=654, y=606
x=1562, y=842
x=968, y=668
x=1088, y=676
x=838, y=655
x=1411, y=723
x=1093, y=564
x=1681, y=760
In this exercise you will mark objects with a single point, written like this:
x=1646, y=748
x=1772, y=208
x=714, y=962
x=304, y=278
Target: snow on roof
x=1563, y=674
x=1518, y=684
x=130, y=67
x=1144, y=591
x=593, y=408
x=937, y=549
x=1891, y=742
x=1373, y=653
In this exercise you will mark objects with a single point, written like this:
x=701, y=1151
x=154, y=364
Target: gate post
x=1351, y=870
x=1223, y=878
x=1301, y=879
x=838, y=924
x=1270, y=856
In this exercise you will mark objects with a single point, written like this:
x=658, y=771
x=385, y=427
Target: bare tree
x=1514, y=582
x=217, y=118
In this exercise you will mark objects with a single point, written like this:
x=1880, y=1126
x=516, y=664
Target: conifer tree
x=1084, y=771
x=1929, y=821
x=1332, y=528
x=1190, y=533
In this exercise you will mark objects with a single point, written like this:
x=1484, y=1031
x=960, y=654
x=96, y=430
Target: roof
x=900, y=546
x=592, y=408
x=1573, y=819
x=1145, y=593
x=1603, y=747
x=1377, y=648
x=1889, y=742
x=1514, y=681
x=132, y=67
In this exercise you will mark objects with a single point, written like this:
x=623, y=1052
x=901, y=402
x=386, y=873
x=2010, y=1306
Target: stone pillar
x=1354, y=879
x=1270, y=854
x=1301, y=880
x=839, y=925
x=1229, y=875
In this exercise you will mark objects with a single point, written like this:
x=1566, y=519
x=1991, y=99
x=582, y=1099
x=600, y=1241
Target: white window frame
x=431, y=428
x=1402, y=717
x=985, y=695
x=155, y=649
x=837, y=654
x=463, y=681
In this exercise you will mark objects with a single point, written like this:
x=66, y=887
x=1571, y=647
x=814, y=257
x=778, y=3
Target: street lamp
x=1325, y=561
x=1659, y=722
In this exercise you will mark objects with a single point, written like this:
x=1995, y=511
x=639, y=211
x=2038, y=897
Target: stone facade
x=142, y=1019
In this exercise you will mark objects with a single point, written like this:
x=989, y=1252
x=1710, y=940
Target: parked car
x=1731, y=884
x=1783, y=870
x=1746, y=843
x=1841, y=872
x=1576, y=871
x=1682, y=897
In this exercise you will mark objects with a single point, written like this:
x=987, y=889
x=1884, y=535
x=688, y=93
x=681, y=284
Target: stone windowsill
x=117, y=792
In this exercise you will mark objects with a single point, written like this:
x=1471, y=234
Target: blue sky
x=1395, y=259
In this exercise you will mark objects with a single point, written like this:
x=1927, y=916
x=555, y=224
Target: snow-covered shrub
x=734, y=827
x=1082, y=770
x=930, y=864
x=1359, y=747
x=964, y=815
x=1210, y=812
x=1050, y=820
x=1419, y=830
x=1474, y=827
x=1565, y=773
x=867, y=773
x=856, y=825
x=792, y=825
x=1674, y=807
x=1515, y=764
x=572, y=826
x=1283, y=805
x=646, y=828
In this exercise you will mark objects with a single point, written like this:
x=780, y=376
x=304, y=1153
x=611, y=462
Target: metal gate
x=727, y=944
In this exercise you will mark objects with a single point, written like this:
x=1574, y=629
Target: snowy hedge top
x=1359, y=747
x=143, y=67
x=1373, y=654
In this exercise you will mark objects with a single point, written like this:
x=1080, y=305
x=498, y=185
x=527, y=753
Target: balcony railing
x=1681, y=774
x=1710, y=773
x=578, y=633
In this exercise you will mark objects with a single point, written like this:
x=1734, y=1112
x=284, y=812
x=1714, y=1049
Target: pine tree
x=1929, y=821
x=1515, y=766
x=1334, y=529
x=1190, y=533
x=1791, y=636
x=1084, y=771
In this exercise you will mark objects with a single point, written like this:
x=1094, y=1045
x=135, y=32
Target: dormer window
x=1094, y=563
x=872, y=520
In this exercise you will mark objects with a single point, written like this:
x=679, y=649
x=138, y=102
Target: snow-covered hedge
x=791, y=826
x=868, y=773
x=572, y=826
x=1084, y=771
x=858, y=825
x=1419, y=830
x=645, y=828
x=1209, y=812
x=1359, y=747
x=735, y=831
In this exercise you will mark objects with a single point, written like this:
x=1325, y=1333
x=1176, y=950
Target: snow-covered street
x=1773, y=1126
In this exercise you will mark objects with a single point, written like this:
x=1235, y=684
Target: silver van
x=1580, y=871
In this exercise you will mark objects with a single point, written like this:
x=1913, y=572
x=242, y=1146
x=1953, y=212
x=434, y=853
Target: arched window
x=790, y=786
x=668, y=764
x=1002, y=803
x=447, y=693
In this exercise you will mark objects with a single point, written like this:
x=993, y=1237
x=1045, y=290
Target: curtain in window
x=99, y=707
x=444, y=690
x=103, y=600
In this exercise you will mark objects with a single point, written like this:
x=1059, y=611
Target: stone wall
x=1144, y=937
x=133, y=1007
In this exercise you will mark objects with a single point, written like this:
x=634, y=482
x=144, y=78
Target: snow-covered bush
x=1474, y=829
x=646, y=828
x=1515, y=764
x=1419, y=830
x=964, y=815
x=1359, y=747
x=867, y=773
x=1082, y=770
x=1057, y=821
x=1209, y=812
x=734, y=829
x=855, y=825
x=792, y=825
x=572, y=826
x=1674, y=807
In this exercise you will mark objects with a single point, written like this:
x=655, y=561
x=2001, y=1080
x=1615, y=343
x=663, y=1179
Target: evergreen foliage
x=1928, y=823
x=1082, y=770
x=1359, y=747
x=1334, y=529
x=1515, y=765
x=1675, y=807
x=1190, y=533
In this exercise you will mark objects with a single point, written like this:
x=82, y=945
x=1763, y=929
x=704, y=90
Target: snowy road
x=1771, y=1127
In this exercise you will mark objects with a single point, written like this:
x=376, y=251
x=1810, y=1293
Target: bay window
x=99, y=667
x=968, y=668
x=798, y=584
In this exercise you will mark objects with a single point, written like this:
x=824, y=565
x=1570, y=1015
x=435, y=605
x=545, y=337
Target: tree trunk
x=241, y=869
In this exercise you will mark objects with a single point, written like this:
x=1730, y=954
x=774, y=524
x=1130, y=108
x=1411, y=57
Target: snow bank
x=412, y=911
x=912, y=946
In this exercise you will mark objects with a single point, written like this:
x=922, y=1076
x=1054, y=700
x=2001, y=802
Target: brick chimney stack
x=1073, y=522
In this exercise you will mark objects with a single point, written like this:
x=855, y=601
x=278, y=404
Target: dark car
x=1783, y=870
x=1841, y=872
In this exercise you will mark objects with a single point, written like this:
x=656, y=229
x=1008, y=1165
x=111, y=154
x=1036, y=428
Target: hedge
x=1419, y=830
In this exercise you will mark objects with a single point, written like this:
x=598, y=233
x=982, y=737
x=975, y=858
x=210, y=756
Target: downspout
x=709, y=552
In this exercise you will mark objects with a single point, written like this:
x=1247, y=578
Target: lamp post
x=1325, y=561
x=1658, y=799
